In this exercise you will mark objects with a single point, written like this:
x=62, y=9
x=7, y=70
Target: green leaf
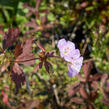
x=51, y=17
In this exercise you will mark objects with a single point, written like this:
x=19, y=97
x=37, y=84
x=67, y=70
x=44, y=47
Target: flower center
x=66, y=50
x=71, y=63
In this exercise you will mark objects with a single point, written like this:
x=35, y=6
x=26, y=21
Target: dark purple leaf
x=17, y=69
x=94, y=85
x=47, y=66
x=10, y=37
x=18, y=78
x=77, y=100
x=26, y=57
x=38, y=66
x=87, y=67
x=93, y=95
x=50, y=54
x=27, y=46
x=74, y=89
x=84, y=93
x=18, y=50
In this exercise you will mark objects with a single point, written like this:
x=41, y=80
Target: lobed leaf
x=19, y=79
x=10, y=37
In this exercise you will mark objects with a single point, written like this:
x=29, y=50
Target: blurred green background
x=85, y=22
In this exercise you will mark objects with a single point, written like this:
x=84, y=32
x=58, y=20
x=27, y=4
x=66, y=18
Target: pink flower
x=75, y=66
x=66, y=49
x=71, y=55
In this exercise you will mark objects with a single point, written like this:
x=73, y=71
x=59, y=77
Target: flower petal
x=71, y=72
x=75, y=67
x=68, y=49
x=61, y=43
x=71, y=45
x=78, y=61
x=67, y=58
x=76, y=64
x=76, y=54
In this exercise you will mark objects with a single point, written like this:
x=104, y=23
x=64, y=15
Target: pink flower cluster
x=72, y=55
